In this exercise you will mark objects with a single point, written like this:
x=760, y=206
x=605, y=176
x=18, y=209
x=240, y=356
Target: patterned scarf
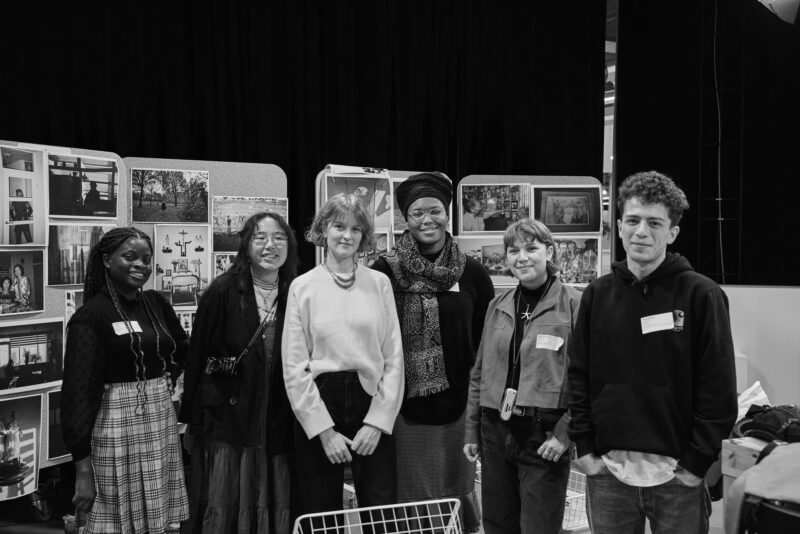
x=416, y=282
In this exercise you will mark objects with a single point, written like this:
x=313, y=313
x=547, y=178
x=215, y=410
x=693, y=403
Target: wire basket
x=575, y=519
x=438, y=516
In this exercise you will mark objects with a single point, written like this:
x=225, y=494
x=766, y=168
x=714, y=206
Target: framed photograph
x=186, y=317
x=578, y=258
x=228, y=215
x=374, y=192
x=21, y=418
x=568, y=209
x=73, y=299
x=21, y=281
x=182, y=262
x=56, y=448
x=490, y=252
x=68, y=252
x=83, y=187
x=31, y=352
x=23, y=197
x=381, y=247
x=222, y=262
x=169, y=196
x=492, y=207
x=399, y=224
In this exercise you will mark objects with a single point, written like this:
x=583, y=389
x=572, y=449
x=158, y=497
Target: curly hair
x=342, y=207
x=529, y=230
x=652, y=187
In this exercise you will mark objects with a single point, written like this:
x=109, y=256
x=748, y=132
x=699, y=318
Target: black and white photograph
x=492, y=207
x=73, y=299
x=399, y=224
x=186, y=317
x=490, y=252
x=169, y=196
x=83, y=187
x=68, y=252
x=22, y=193
x=374, y=192
x=577, y=258
x=567, y=209
x=367, y=258
x=31, y=352
x=56, y=448
x=182, y=262
x=228, y=215
x=20, y=430
x=21, y=281
x=222, y=262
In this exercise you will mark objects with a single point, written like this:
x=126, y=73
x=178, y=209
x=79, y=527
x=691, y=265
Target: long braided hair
x=97, y=278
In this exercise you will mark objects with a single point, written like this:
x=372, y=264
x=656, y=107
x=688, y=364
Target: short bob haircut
x=652, y=187
x=342, y=208
x=529, y=230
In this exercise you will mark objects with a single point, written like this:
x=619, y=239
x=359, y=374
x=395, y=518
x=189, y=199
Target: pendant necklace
x=527, y=315
x=269, y=288
x=345, y=282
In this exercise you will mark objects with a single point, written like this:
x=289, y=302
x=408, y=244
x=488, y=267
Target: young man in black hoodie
x=651, y=375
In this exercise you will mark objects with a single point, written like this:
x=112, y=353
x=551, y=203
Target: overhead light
x=786, y=10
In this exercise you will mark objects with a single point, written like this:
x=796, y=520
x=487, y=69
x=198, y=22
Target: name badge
x=545, y=341
x=454, y=288
x=121, y=329
x=657, y=323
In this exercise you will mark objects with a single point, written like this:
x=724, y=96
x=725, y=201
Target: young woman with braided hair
x=124, y=349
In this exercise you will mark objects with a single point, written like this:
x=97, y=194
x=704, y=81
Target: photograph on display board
x=21, y=281
x=374, y=192
x=490, y=252
x=577, y=258
x=367, y=258
x=228, y=215
x=31, y=352
x=492, y=207
x=23, y=194
x=20, y=429
x=186, y=317
x=56, y=448
x=164, y=196
x=83, y=186
x=182, y=262
x=399, y=224
x=73, y=299
x=568, y=209
x=68, y=252
x=222, y=262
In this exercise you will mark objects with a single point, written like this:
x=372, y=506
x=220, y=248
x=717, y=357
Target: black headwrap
x=422, y=185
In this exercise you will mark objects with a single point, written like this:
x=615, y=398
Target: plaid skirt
x=137, y=461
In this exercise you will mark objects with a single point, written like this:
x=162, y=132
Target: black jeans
x=374, y=476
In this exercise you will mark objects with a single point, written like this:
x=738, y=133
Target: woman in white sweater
x=343, y=365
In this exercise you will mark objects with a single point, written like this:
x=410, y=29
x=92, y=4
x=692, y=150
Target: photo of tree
x=163, y=196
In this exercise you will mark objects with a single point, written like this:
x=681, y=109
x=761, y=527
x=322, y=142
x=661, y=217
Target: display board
x=58, y=202
x=376, y=188
x=570, y=206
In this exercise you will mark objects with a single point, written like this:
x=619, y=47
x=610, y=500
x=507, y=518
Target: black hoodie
x=669, y=391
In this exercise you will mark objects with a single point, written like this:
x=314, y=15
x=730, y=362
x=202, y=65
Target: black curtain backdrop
x=667, y=120
x=460, y=87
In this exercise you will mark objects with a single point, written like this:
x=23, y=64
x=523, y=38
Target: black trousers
x=374, y=476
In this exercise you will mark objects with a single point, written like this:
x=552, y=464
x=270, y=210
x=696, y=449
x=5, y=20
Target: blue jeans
x=320, y=481
x=520, y=491
x=671, y=508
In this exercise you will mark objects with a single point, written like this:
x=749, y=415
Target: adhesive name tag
x=121, y=329
x=657, y=323
x=545, y=341
x=454, y=288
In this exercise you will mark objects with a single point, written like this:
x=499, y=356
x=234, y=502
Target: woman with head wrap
x=441, y=298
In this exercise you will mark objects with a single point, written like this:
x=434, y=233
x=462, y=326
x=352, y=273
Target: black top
x=461, y=315
x=526, y=299
x=97, y=355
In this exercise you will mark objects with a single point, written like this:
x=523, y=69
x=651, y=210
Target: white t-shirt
x=640, y=469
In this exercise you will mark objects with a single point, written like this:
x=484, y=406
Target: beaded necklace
x=345, y=282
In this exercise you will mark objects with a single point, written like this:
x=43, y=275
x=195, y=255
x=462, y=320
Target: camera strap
x=270, y=314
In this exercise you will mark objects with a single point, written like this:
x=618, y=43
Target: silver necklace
x=345, y=282
x=527, y=315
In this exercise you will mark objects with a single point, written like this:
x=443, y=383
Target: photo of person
x=165, y=195
x=228, y=215
x=577, y=259
x=21, y=210
x=222, y=262
x=492, y=207
x=22, y=194
x=83, y=187
x=25, y=270
x=568, y=209
x=490, y=252
x=373, y=192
